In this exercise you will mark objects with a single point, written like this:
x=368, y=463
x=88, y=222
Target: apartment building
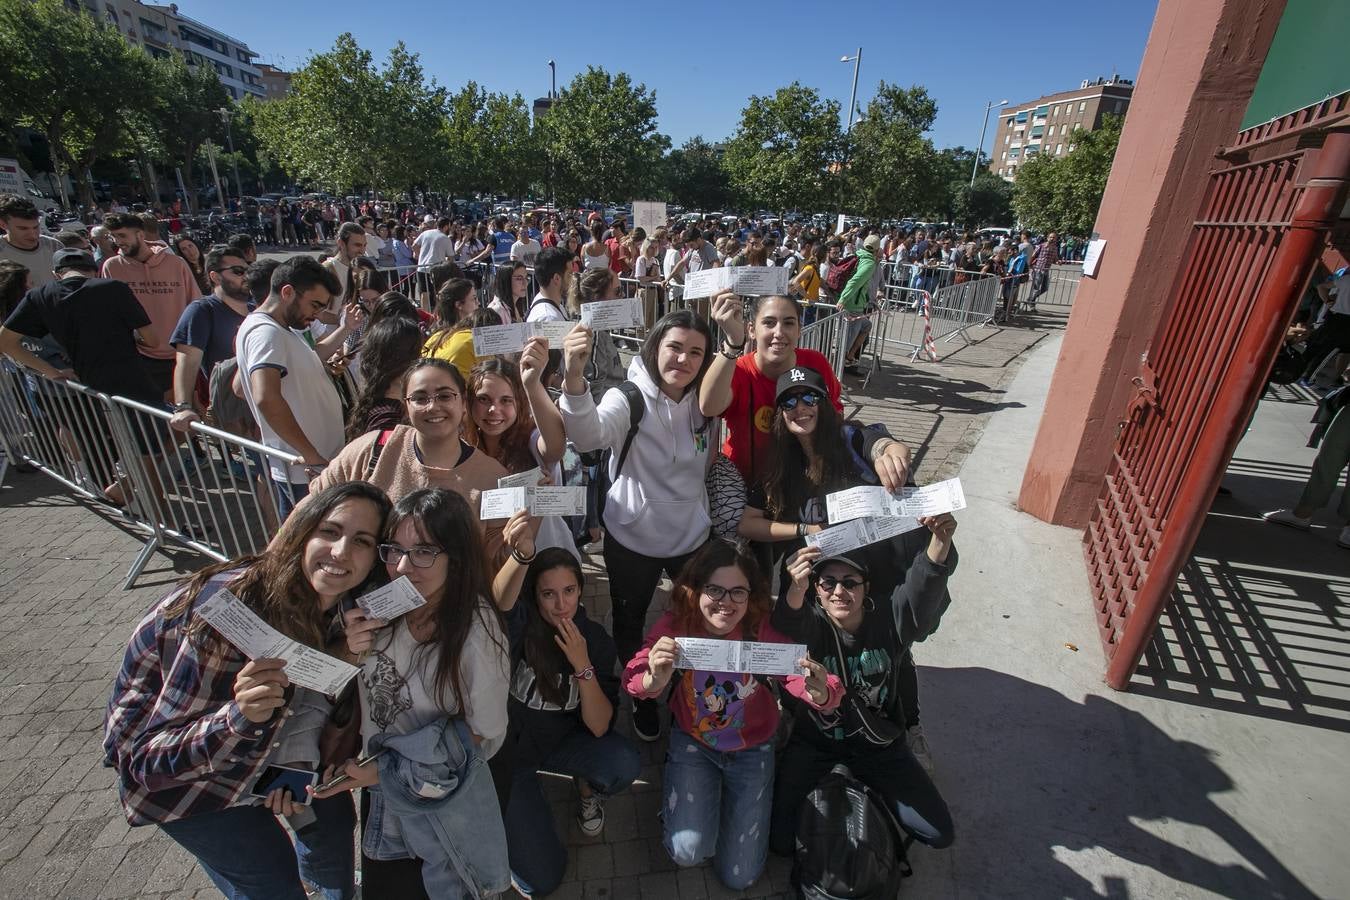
x=1046, y=125
x=161, y=30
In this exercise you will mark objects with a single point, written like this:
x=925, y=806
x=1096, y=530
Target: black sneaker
x=646, y=720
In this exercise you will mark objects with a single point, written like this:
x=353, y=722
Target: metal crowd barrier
x=207, y=489
x=1060, y=290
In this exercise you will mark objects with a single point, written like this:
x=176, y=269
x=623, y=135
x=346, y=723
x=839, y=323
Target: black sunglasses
x=791, y=401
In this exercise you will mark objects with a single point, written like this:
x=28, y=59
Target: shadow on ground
x=1035, y=778
x=1260, y=621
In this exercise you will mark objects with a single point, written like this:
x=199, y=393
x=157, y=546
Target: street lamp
x=853, y=94
x=227, y=117
x=553, y=80
x=856, y=59
x=552, y=98
x=979, y=148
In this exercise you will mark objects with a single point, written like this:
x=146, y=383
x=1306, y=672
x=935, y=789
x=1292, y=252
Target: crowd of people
x=501, y=675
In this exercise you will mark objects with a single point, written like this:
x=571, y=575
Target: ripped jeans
x=717, y=804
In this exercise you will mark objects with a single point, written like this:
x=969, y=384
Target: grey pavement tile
x=129, y=879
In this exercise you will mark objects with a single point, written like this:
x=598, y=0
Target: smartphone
x=343, y=778
x=295, y=780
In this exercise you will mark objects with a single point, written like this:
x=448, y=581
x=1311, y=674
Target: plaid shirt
x=179, y=742
x=1047, y=254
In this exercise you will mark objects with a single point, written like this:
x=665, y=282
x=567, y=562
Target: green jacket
x=857, y=293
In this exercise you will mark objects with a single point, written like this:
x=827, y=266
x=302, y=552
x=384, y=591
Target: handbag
x=857, y=719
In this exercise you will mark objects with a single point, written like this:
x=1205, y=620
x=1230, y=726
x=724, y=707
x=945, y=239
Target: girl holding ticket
x=720, y=763
x=444, y=660
x=564, y=697
x=831, y=606
x=428, y=452
x=656, y=509
x=192, y=723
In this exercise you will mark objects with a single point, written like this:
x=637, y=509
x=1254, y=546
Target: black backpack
x=637, y=407
x=849, y=845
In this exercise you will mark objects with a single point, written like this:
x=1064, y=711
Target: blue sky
x=704, y=60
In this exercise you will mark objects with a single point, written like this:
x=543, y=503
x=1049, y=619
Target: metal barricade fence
x=207, y=490
x=1061, y=287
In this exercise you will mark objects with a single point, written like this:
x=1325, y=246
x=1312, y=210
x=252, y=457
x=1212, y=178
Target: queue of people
x=501, y=674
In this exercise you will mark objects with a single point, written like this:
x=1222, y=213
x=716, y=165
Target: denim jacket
x=436, y=802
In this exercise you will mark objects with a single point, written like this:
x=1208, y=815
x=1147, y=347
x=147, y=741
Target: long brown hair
x=716, y=554
x=791, y=479
x=542, y=653
x=444, y=520
x=513, y=450
x=273, y=583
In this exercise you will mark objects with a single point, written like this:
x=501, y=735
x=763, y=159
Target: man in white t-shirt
x=433, y=246
x=550, y=269
x=525, y=249
x=23, y=241
x=374, y=243
x=286, y=386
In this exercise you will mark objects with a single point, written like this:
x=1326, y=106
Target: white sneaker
x=1344, y=539
x=918, y=745
x=591, y=815
x=1287, y=517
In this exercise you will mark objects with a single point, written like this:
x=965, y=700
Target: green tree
x=74, y=79
x=1064, y=192
x=347, y=123
x=601, y=138
x=695, y=177
x=781, y=154
x=988, y=203
x=892, y=168
x=185, y=111
x=512, y=161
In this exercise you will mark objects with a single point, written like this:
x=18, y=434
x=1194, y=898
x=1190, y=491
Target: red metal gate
x=1248, y=260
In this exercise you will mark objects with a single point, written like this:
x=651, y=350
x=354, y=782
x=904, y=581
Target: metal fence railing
x=206, y=489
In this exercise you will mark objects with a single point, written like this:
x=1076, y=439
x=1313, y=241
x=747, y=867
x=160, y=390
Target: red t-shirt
x=750, y=415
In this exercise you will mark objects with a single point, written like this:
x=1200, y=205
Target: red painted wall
x=1200, y=66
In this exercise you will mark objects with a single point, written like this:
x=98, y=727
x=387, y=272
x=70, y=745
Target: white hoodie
x=658, y=505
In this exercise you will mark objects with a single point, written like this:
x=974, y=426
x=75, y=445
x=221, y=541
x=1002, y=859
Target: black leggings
x=891, y=771
x=632, y=581
x=389, y=879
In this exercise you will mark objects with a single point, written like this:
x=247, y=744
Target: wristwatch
x=586, y=674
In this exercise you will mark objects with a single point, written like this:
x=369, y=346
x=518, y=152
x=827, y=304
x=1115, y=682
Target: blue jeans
x=609, y=764
x=248, y=855
x=717, y=804
x=289, y=495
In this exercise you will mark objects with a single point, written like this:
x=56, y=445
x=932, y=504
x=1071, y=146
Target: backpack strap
x=637, y=406
x=376, y=449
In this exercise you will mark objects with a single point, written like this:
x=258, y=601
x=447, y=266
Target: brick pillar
x=1199, y=68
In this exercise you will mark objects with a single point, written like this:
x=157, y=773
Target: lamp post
x=227, y=117
x=979, y=148
x=552, y=80
x=552, y=98
x=856, y=59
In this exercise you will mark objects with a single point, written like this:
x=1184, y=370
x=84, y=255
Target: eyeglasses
x=790, y=402
x=233, y=270
x=829, y=583
x=422, y=557
x=423, y=401
x=736, y=595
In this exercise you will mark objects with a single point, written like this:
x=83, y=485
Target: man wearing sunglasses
x=204, y=336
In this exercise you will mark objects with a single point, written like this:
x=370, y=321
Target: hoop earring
x=868, y=604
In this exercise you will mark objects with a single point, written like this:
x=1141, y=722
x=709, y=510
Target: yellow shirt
x=812, y=290
x=457, y=349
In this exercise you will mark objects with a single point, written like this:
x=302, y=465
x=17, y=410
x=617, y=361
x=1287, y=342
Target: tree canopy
x=1064, y=192
x=781, y=153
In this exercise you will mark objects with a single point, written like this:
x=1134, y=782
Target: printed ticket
x=859, y=533
x=521, y=479
x=242, y=627
x=749, y=657
x=540, y=500
x=494, y=340
x=929, y=500
x=609, y=315
x=747, y=281
x=391, y=601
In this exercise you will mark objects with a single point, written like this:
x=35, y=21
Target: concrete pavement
x=1214, y=778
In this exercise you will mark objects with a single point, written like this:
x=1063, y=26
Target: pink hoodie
x=164, y=285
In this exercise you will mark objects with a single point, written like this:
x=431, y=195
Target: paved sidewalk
x=64, y=621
